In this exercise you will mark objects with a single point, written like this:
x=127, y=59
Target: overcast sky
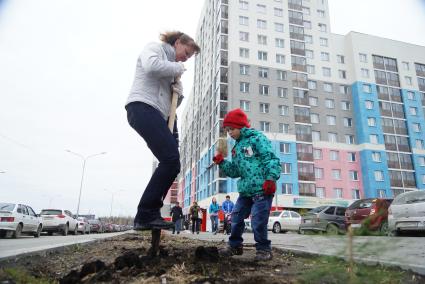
x=66, y=68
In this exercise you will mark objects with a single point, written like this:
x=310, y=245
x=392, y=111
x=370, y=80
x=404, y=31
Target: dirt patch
x=125, y=259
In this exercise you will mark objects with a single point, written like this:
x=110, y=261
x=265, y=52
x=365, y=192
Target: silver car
x=407, y=213
x=283, y=221
x=17, y=219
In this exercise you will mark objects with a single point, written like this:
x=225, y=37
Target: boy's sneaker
x=263, y=255
x=229, y=251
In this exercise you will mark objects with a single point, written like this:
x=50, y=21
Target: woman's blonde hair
x=171, y=37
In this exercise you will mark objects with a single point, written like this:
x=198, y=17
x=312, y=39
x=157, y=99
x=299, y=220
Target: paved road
x=28, y=244
x=405, y=252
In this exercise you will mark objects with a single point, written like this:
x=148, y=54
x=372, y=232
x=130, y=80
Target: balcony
x=396, y=182
x=298, y=51
x=303, y=137
x=391, y=146
x=393, y=164
x=403, y=147
x=302, y=118
x=294, y=35
x=301, y=101
x=302, y=156
x=299, y=67
x=296, y=21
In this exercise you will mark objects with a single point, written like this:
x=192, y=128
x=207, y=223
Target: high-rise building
x=345, y=113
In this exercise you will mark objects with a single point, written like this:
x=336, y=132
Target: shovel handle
x=173, y=108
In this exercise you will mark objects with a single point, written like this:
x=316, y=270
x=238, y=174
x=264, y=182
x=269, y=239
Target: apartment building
x=345, y=113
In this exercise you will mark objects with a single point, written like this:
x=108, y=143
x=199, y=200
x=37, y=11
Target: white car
x=58, y=220
x=283, y=221
x=83, y=225
x=16, y=219
x=407, y=213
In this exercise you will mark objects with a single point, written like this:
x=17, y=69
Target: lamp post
x=112, y=199
x=2, y=172
x=82, y=175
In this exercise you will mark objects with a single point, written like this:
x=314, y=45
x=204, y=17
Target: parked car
x=328, y=219
x=407, y=213
x=283, y=221
x=83, y=225
x=58, y=220
x=17, y=219
x=109, y=228
x=96, y=226
x=370, y=212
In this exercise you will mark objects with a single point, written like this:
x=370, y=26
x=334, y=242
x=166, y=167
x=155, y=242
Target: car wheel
x=393, y=233
x=302, y=232
x=38, y=233
x=17, y=232
x=276, y=228
x=2, y=234
x=332, y=229
x=65, y=230
x=384, y=228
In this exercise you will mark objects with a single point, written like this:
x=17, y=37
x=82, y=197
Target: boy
x=254, y=162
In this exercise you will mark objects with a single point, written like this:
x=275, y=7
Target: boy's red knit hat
x=236, y=119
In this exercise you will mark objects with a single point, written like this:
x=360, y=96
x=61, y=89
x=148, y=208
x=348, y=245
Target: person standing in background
x=213, y=210
x=176, y=217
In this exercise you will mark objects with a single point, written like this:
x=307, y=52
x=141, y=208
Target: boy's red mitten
x=218, y=159
x=269, y=187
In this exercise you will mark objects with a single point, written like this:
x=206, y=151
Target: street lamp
x=82, y=175
x=2, y=172
x=112, y=198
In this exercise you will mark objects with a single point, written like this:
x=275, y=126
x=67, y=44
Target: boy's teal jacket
x=254, y=161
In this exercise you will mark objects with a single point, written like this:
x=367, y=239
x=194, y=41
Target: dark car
x=328, y=219
x=96, y=226
x=371, y=213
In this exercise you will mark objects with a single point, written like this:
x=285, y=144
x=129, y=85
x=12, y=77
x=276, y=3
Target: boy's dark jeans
x=259, y=208
x=150, y=124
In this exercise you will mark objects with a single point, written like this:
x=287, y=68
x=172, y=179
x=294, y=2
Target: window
x=310, y=69
x=278, y=12
x=283, y=110
x=382, y=193
x=327, y=87
x=367, y=88
x=283, y=128
x=332, y=137
x=262, y=39
x=330, y=103
x=286, y=168
x=405, y=65
x=333, y=155
x=261, y=24
x=331, y=120
x=364, y=72
x=363, y=57
x=263, y=90
x=408, y=80
x=323, y=41
x=411, y=95
x=413, y=111
x=285, y=148
x=262, y=55
x=320, y=192
x=280, y=58
x=376, y=157
x=282, y=92
x=308, y=39
x=342, y=74
x=318, y=173
x=307, y=25
x=371, y=121
x=243, y=69
x=261, y=8
x=368, y=104
x=265, y=126
x=345, y=105
x=379, y=176
x=351, y=156
x=322, y=28
x=321, y=13
x=264, y=108
x=349, y=139
x=317, y=154
x=244, y=87
x=416, y=127
x=309, y=54
x=324, y=56
x=348, y=122
x=281, y=75
x=278, y=27
x=280, y=42
x=315, y=135
x=286, y=188
x=245, y=105
x=313, y=101
x=244, y=52
x=243, y=20
x=419, y=144
x=326, y=71
x=421, y=161
x=263, y=72
x=243, y=5
x=312, y=85
x=243, y=36
x=343, y=89
x=306, y=10
x=336, y=174
x=340, y=59
x=314, y=118
x=355, y=194
x=353, y=175
x=373, y=138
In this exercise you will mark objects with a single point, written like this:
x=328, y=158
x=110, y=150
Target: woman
x=148, y=107
x=213, y=210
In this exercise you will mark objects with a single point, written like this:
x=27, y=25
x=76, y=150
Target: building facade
x=345, y=113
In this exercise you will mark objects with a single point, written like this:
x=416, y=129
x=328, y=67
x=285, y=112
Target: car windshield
x=51, y=212
x=317, y=209
x=275, y=213
x=7, y=206
x=81, y=219
x=415, y=197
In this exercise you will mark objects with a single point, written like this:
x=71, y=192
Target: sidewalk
x=404, y=252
